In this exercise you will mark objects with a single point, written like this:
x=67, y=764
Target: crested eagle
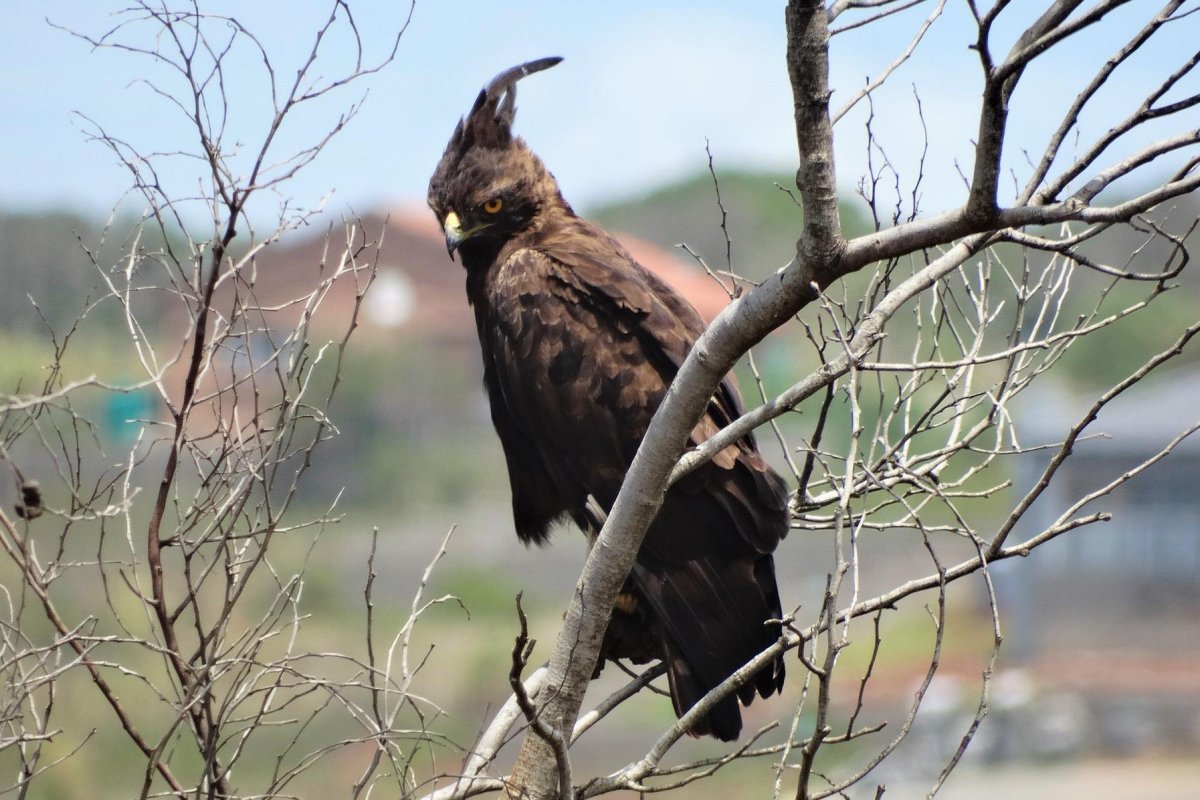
x=580, y=343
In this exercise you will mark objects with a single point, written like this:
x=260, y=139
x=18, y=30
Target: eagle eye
x=493, y=206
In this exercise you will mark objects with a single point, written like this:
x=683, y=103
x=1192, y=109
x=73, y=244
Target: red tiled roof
x=412, y=246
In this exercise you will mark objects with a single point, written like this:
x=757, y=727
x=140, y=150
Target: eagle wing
x=580, y=343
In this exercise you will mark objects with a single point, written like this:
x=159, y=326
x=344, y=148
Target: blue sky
x=643, y=86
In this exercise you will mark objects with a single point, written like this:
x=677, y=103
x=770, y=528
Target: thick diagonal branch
x=746, y=322
x=822, y=257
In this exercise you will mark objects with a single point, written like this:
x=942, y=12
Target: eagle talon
x=626, y=603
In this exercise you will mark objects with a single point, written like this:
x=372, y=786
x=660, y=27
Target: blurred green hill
x=761, y=218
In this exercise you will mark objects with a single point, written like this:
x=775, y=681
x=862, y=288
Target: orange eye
x=493, y=206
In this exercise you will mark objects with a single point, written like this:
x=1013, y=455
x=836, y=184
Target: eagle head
x=489, y=186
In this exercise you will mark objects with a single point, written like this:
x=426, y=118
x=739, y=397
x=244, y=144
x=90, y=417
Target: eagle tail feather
x=713, y=623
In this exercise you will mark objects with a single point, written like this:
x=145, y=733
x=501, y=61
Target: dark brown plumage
x=579, y=345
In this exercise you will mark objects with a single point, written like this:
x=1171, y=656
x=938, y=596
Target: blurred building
x=411, y=413
x=418, y=291
x=1105, y=620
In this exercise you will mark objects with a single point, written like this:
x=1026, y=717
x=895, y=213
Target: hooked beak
x=452, y=227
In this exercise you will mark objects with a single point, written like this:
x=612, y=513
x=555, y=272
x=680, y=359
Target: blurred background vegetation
x=415, y=454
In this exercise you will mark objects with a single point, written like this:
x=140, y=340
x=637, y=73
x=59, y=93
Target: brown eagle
x=579, y=345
